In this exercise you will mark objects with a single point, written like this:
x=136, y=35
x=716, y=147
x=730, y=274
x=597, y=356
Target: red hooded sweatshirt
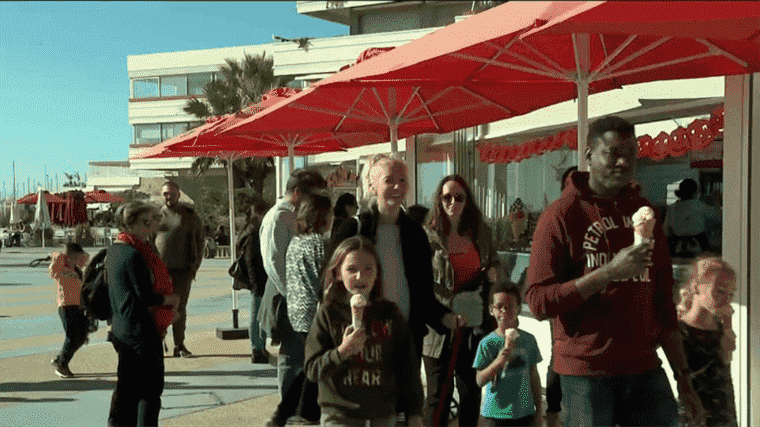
x=616, y=331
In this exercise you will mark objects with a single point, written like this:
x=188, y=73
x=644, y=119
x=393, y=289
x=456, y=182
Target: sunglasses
x=459, y=198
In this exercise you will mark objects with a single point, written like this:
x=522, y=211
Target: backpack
x=95, y=300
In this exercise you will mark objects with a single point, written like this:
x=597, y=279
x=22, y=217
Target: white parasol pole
x=582, y=43
x=582, y=125
x=233, y=257
x=291, y=150
x=394, y=136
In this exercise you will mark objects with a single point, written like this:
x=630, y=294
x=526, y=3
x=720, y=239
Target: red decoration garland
x=696, y=136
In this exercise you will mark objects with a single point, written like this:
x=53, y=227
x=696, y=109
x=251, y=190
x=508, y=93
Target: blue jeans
x=644, y=399
x=258, y=337
x=292, y=378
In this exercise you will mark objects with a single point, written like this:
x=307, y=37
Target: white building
x=162, y=83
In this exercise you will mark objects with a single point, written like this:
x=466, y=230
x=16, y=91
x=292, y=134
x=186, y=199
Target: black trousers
x=136, y=400
x=436, y=371
x=75, y=326
x=181, y=279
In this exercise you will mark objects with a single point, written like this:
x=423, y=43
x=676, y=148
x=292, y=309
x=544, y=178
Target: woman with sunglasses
x=142, y=306
x=464, y=262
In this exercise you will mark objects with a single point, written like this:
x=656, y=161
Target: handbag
x=239, y=272
x=239, y=269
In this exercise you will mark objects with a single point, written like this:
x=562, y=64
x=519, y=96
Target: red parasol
x=409, y=104
x=31, y=199
x=211, y=140
x=208, y=140
x=101, y=196
x=573, y=48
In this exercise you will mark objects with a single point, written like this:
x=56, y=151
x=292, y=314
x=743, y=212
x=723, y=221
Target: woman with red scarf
x=142, y=305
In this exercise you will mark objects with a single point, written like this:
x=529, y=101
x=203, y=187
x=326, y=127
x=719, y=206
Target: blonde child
x=704, y=314
x=362, y=372
x=508, y=374
x=66, y=269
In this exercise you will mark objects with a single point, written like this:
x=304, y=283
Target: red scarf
x=162, y=282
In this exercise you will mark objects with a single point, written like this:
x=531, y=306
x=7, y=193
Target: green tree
x=239, y=84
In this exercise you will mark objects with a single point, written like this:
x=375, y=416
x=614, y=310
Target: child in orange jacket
x=66, y=269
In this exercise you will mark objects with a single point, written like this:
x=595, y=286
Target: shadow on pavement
x=184, y=386
x=257, y=373
x=58, y=385
x=42, y=400
x=198, y=356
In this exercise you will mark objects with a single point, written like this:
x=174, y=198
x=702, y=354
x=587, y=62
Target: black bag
x=239, y=269
x=95, y=300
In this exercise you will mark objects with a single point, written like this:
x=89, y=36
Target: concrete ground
x=217, y=387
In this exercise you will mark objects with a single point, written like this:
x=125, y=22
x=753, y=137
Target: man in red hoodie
x=611, y=300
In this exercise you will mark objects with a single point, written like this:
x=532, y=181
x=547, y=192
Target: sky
x=64, y=87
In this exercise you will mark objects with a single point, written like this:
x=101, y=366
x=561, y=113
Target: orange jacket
x=67, y=278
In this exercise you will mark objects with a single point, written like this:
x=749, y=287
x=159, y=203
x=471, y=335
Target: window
x=145, y=88
x=154, y=133
x=196, y=82
x=173, y=86
x=147, y=134
x=170, y=130
x=394, y=21
x=446, y=15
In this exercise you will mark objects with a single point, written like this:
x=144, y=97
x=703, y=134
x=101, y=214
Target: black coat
x=130, y=290
x=249, y=248
x=415, y=248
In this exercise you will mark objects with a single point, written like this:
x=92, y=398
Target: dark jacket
x=415, y=249
x=180, y=238
x=248, y=247
x=366, y=385
x=616, y=331
x=130, y=290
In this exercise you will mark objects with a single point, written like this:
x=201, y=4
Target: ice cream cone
x=358, y=302
x=643, y=225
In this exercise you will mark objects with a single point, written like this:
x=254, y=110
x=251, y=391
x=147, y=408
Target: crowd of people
x=357, y=315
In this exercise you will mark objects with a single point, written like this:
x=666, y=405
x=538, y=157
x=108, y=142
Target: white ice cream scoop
x=510, y=336
x=643, y=225
x=358, y=302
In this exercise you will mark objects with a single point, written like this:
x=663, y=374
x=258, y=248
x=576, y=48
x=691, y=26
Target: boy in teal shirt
x=506, y=366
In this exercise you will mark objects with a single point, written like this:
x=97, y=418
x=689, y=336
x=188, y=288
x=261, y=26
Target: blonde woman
x=704, y=315
x=402, y=244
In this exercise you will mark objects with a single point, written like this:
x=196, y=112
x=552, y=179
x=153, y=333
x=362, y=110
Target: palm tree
x=239, y=84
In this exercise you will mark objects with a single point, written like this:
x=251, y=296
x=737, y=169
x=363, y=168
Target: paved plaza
x=219, y=386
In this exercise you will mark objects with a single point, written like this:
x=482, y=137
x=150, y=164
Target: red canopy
x=573, y=48
x=344, y=103
x=210, y=139
x=31, y=199
x=102, y=196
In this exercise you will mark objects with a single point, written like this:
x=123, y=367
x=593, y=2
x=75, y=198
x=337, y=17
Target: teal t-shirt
x=510, y=397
